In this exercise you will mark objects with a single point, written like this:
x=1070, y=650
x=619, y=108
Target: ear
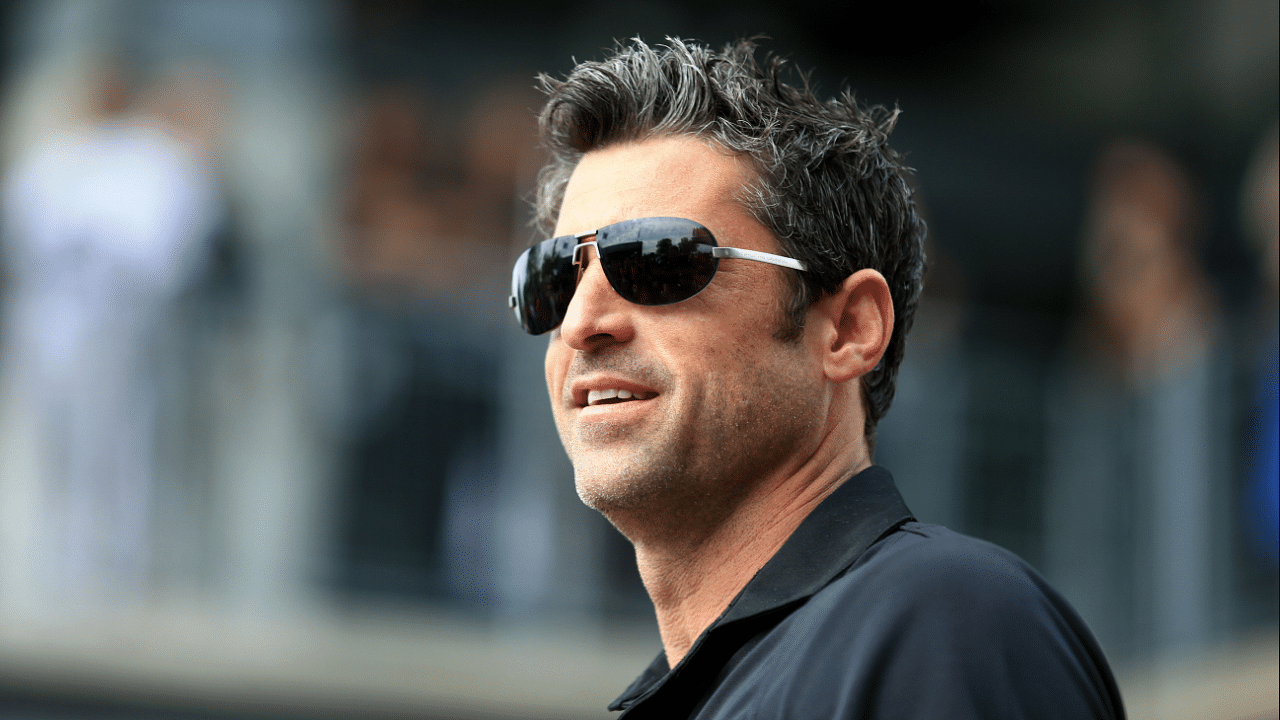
x=857, y=321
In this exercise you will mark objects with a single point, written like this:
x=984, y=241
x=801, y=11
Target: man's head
x=672, y=412
x=822, y=176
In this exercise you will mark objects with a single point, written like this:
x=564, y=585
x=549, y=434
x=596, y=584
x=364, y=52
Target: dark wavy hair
x=828, y=185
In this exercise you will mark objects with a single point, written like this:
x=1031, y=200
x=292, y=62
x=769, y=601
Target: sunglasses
x=648, y=261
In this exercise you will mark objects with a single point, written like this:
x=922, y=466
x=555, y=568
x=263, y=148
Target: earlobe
x=860, y=317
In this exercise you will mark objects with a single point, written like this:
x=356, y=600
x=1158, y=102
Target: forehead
x=664, y=176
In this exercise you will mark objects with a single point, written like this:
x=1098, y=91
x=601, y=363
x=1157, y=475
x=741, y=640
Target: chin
x=608, y=495
x=619, y=488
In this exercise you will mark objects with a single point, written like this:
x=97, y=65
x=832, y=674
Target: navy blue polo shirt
x=865, y=613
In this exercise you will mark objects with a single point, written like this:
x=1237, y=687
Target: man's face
x=716, y=404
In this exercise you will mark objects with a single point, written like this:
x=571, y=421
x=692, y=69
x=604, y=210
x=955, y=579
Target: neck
x=692, y=575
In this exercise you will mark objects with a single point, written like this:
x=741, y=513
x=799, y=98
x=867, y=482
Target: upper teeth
x=595, y=396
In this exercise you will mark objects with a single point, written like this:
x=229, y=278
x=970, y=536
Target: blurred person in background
x=1261, y=215
x=104, y=225
x=735, y=267
x=1138, y=481
x=429, y=204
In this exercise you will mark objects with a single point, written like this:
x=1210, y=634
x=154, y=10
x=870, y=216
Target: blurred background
x=271, y=445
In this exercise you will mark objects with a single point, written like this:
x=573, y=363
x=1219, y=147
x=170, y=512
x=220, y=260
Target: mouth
x=613, y=396
x=600, y=391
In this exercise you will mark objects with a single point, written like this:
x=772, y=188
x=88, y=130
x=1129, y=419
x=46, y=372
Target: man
x=732, y=273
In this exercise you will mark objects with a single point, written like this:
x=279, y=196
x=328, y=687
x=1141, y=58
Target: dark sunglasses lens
x=542, y=283
x=657, y=261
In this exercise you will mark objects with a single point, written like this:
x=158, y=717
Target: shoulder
x=932, y=623
x=931, y=565
x=929, y=588
x=924, y=588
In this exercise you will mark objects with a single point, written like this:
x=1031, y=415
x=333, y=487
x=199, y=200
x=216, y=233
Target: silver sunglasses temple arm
x=764, y=257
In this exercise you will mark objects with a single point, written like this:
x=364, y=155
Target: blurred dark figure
x=1261, y=215
x=104, y=227
x=1152, y=309
x=1137, y=523
x=430, y=212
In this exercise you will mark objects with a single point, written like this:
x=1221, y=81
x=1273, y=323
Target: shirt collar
x=859, y=512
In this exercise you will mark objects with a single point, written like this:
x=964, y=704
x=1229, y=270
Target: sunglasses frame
x=717, y=252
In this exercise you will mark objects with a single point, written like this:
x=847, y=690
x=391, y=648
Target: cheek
x=556, y=366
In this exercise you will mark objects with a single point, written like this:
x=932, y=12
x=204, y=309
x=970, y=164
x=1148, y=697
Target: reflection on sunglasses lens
x=648, y=261
x=657, y=261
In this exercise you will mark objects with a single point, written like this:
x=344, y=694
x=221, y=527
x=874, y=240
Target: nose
x=597, y=317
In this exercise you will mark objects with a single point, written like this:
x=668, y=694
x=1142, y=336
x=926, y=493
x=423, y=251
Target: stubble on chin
x=698, y=458
x=612, y=485
x=617, y=469
x=671, y=478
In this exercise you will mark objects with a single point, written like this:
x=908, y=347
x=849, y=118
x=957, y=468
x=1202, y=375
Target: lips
x=608, y=391
x=610, y=396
